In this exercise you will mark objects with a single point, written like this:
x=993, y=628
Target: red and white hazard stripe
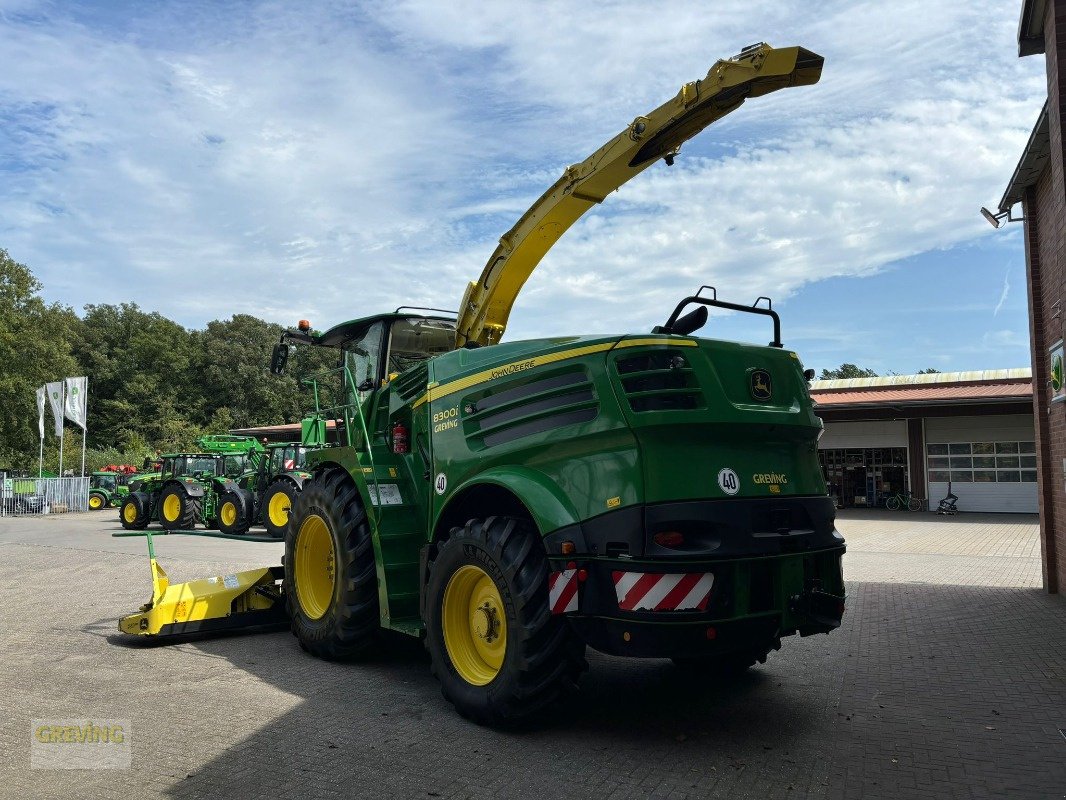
x=655, y=591
x=562, y=591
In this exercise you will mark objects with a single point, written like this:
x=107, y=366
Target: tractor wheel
x=134, y=513
x=498, y=652
x=177, y=509
x=277, y=505
x=330, y=579
x=96, y=501
x=232, y=513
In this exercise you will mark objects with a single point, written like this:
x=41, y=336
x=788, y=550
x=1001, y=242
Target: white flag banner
x=40, y=409
x=55, y=397
x=77, y=393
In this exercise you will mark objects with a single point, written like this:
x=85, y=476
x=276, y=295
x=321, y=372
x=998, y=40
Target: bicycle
x=900, y=500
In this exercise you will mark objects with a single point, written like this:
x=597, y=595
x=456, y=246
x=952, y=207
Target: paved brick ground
x=947, y=680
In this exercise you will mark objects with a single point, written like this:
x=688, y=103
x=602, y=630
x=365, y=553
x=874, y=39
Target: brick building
x=1038, y=185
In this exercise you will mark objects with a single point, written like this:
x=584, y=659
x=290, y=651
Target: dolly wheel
x=498, y=652
x=232, y=517
x=96, y=501
x=330, y=577
x=277, y=503
x=133, y=514
x=177, y=509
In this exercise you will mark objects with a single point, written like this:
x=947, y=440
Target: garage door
x=991, y=462
x=845, y=435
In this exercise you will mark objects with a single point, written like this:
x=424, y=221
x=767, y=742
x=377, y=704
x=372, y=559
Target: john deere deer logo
x=761, y=387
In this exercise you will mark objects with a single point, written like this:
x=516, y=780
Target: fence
x=32, y=496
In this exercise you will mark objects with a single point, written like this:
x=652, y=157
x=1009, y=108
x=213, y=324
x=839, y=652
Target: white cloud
x=327, y=162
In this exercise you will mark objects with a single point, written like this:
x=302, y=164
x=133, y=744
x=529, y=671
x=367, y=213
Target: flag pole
x=62, y=421
x=84, y=426
x=40, y=461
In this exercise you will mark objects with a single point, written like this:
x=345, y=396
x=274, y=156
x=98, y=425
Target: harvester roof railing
x=757, y=70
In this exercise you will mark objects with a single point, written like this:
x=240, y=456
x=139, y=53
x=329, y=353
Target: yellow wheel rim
x=95, y=501
x=172, y=508
x=278, y=509
x=475, y=625
x=129, y=512
x=228, y=513
x=315, y=567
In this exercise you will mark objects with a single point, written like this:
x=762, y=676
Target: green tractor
x=183, y=494
x=646, y=494
x=266, y=494
x=107, y=489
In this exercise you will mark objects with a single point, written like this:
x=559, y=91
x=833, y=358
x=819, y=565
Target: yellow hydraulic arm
x=758, y=70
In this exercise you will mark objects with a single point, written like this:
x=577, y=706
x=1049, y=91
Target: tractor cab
x=196, y=465
x=104, y=480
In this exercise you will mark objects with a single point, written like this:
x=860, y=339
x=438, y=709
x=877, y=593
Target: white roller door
x=991, y=461
x=846, y=435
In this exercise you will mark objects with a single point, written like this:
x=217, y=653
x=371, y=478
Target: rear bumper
x=762, y=584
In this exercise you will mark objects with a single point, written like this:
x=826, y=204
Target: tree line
x=154, y=385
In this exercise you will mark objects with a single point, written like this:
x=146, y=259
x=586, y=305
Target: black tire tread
x=545, y=658
x=275, y=486
x=242, y=524
x=190, y=509
x=349, y=628
x=142, y=520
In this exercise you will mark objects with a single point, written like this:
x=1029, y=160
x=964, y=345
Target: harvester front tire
x=491, y=577
x=134, y=511
x=330, y=577
x=233, y=513
x=178, y=510
x=278, y=502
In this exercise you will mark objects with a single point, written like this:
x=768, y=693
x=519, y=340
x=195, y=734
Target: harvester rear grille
x=558, y=400
x=659, y=380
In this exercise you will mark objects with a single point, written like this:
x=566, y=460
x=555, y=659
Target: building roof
x=1031, y=28
x=274, y=430
x=985, y=386
x=1032, y=164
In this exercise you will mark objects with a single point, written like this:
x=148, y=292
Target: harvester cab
x=646, y=494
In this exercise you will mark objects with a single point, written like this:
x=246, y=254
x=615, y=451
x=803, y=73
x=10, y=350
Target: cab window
x=417, y=339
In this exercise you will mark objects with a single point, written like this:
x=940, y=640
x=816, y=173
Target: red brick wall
x=1045, y=251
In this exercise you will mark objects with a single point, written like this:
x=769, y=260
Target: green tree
x=929, y=371
x=846, y=371
x=35, y=347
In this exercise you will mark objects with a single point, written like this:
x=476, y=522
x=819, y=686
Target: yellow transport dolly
x=238, y=601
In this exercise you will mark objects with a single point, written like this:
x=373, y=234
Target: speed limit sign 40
x=728, y=481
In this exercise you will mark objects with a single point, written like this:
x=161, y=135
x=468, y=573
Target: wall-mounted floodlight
x=997, y=220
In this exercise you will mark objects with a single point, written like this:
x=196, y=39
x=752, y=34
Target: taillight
x=670, y=539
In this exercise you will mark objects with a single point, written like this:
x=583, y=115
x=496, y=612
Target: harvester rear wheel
x=133, y=514
x=96, y=501
x=178, y=510
x=498, y=652
x=330, y=578
x=277, y=507
x=232, y=514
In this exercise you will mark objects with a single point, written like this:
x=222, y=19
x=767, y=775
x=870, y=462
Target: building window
x=981, y=462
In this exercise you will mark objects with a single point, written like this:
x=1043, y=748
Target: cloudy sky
x=333, y=160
